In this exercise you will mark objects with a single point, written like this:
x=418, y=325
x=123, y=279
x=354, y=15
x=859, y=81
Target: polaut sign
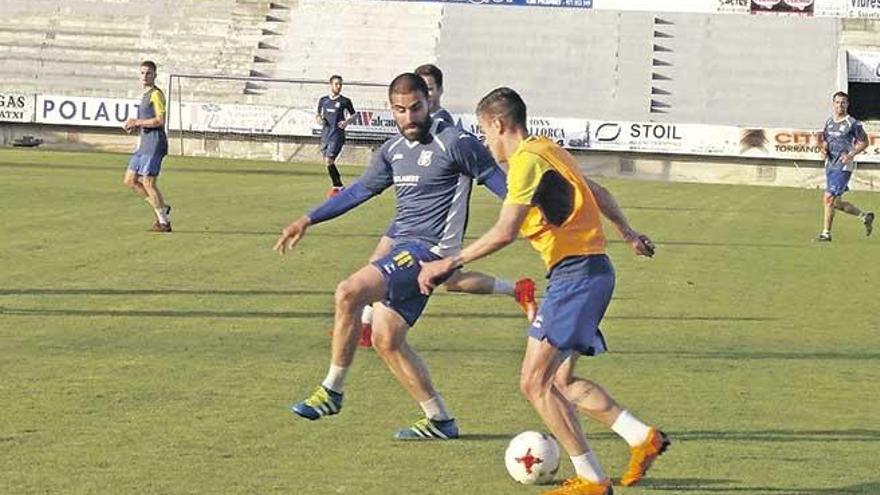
x=102, y=112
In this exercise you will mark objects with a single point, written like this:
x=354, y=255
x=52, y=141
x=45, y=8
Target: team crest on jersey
x=425, y=158
x=337, y=104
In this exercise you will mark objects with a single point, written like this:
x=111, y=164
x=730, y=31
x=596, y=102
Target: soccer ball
x=532, y=458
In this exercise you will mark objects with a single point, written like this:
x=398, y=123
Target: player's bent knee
x=530, y=386
x=386, y=343
x=348, y=293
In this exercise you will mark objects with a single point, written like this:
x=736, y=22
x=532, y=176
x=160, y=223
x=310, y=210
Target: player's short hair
x=840, y=93
x=335, y=76
x=505, y=104
x=432, y=71
x=150, y=64
x=407, y=83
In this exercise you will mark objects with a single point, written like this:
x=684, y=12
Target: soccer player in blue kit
x=146, y=163
x=335, y=112
x=843, y=138
x=471, y=282
x=431, y=166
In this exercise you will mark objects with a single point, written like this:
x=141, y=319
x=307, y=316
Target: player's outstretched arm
x=640, y=243
x=504, y=232
x=348, y=199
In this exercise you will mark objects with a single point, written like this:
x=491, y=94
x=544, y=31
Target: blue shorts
x=146, y=164
x=331, y=145
x=836, y=181
x=574, y=303
x=401, y=268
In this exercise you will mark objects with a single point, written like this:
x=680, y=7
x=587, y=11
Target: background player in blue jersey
x=334, y=114
x=146, y=163
x=523, y=291
x=843, y=138
x=431, y=166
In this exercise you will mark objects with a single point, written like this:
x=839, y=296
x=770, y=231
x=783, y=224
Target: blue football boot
x=322, y=402
x=429, y=429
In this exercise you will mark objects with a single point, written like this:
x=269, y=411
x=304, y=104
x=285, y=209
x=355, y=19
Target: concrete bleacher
x=697, y=68
x=367, y=40
x=566, y=63
x=87, y=48
x=747, y=70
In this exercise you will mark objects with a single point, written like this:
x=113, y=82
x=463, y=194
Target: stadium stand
x=77, y=47
x=700, y=67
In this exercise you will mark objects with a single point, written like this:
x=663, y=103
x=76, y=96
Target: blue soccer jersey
x=432, y=182
x=442, y=114
x=333, y=111
x=841, y=138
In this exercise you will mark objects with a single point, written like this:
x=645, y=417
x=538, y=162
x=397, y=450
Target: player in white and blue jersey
x=471, y=282
x=335, y=112
x=843, y=138
x=431, y=166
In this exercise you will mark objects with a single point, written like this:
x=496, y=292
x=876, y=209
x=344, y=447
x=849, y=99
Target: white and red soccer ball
x=532, y=458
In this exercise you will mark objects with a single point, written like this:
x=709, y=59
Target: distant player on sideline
x=552, y=204
x=334, y=114
x=843, y=137
x=431, y=165
x=470, y=282
x=146, y=163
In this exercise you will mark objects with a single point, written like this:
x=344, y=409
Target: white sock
x=826, y=232
x=160, y=214
x=335, y=378
x=435, y=408
x=587, y=466
x=502, y=287
x=367, y=315
x=631, y=429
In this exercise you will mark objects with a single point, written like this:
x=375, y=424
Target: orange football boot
x=642, y=456
x=582, y=486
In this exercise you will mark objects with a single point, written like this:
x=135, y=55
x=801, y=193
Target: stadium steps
x=720, y=82
x=358, y=47
x=591, y=64
x=76, y=47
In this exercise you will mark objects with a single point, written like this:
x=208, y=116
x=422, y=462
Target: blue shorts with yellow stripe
x=401, y=268
x=574, y=304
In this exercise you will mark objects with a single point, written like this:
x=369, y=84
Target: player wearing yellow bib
x=145, y=165
x=550, y=203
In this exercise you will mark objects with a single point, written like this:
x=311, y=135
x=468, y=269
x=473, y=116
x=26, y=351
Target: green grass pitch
x=133, y=362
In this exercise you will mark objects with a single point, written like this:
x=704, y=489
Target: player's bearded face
x=410, y=112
